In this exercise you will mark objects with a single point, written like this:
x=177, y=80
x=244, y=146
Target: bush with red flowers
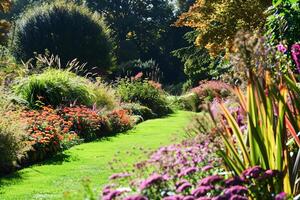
x=119, y=120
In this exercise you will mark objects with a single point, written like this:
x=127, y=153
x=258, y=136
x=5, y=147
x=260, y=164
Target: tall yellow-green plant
x=272, y=111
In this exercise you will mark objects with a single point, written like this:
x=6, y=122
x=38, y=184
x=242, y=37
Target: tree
x=142, y=29
x=218, y=21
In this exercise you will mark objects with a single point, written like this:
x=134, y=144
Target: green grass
x=65, y=172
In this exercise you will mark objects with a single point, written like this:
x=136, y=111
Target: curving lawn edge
x=65, y=172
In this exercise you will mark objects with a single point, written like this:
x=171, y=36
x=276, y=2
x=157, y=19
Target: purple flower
x=253, y=172
x=272, y=173
x=240, y=190
x=221, y=197
x=210, y=180
x=204, y=198
x=281, y=196
x=152, y=180
x=179, y=183
x=136, y=197
x=238, y=197
x=206, y=168
x=118, y=176
x=188, y=171
x=201, y=191
x=189, y=198
x=234, y=181
x=111, y=195
x=183, y=187
x=281, y=48
x=174, y=197
x=296, y=55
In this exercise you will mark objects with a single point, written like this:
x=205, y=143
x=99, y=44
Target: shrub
x=13, y=145
x=136, y=109
x=64, y=29
x=119, y=120
x=144, y=93
x=55, y=87
x=208, y=90
x=188, y=102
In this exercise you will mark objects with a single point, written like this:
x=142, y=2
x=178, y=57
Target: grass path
x=65, y=172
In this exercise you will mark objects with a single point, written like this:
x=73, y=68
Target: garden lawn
x=66, y=172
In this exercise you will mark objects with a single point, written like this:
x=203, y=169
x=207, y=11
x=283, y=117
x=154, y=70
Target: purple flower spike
x=174, y=197
x=188, y=171
x=234, y=181
x=253, y=172
x=152, y=180
x=118, y=176
x=136, y=197
x=281, y=48
x=204, y=198
x=238, y=197
x=281, y=196
x=201, y=191
x=221, y=197
x=190, y=198
x=210, y=180
x=296, y=55
x=240, y=190
x=112, y=195
x=183, y=187
x=206, y=168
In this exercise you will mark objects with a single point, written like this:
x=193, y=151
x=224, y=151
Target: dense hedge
x=63, y=29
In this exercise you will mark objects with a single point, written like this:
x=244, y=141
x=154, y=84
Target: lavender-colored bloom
x=136, y=197
x=296, y=55
x=207, y=167
x=204, y=198
x=118, y=176
x=272, y=173
x=174, y=197
x=154, y=179
x=221, y=197
x=111, y=195
x=183, y=187
x=238, y=197
x=210, y=180
x=190, y=198
x=179, y=183
x=281, y=196
x=240, y=190
x=253, y=172
x=281, y=48
x=188, y=171
x=234, y=181
x=201, y=191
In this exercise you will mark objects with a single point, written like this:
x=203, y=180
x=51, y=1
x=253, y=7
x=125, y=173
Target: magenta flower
x=221, y=197
x=174, y=197
x=201, y=191
x=238, y=197
x=234, y=181
x=281, y=196
x=112, y=195
x=240, y=190
x=281, y=48
x=190, y=198
x=118, y=176
x=188, y=171
x=152, y=180
x=206, y=168
x=253, y=172
x=210, y=180
x=183, y=187
x=136, y=197
x=296, y=55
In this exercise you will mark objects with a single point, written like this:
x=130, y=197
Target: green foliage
x=142, y=92
x=142, y=31
x=55, y=87
x=283, y=23
x=138, y=110
x=12, y=136
x=64, y=29
x=189, y=102
x=198, y=64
